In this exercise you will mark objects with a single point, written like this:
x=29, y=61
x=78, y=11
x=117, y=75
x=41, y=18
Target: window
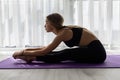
x=22, y=21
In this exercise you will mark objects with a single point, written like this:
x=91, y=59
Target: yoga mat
x=112, y=61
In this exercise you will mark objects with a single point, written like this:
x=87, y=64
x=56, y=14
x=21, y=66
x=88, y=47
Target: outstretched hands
x=27, y=58
x=17, y=54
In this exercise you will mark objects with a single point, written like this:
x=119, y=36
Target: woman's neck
x=56, y=32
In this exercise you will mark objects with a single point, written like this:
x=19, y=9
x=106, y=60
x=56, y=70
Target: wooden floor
x=59, y=74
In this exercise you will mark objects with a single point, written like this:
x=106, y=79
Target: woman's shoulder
x=65, y=33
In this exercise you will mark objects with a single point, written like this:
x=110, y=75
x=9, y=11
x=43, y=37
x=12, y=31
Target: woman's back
x=86, y=36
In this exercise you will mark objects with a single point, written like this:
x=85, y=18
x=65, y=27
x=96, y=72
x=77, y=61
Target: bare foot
x=28, y=59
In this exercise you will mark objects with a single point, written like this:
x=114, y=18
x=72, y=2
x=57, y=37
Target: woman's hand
x=17, y=54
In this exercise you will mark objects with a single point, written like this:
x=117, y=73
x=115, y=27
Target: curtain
x=22, y=21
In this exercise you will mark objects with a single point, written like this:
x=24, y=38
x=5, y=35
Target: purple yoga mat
x=112, y=61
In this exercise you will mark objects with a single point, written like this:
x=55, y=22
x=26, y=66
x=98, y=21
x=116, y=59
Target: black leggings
x=93, y=53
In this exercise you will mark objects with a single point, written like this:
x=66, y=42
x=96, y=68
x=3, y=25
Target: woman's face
x=48, y=26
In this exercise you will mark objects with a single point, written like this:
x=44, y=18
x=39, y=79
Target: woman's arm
x=33, y=49
x=39, y=52
x=58, y=39
x=20, y=53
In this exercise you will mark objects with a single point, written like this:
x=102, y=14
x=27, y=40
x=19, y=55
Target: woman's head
x=56, y=20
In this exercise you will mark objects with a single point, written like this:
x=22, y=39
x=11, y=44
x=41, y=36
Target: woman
x=89, y=48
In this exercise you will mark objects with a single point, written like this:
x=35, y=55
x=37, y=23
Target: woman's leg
x=87, y=54
x=55, y=56
x=75, y=54
x=93, y=53
x=84, y=55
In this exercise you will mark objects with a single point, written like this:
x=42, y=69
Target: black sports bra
x=77, y=32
